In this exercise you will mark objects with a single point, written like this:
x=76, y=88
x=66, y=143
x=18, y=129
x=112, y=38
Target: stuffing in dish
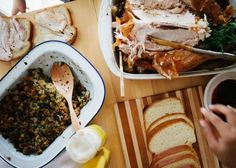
x=194, y=23
x=34, y=114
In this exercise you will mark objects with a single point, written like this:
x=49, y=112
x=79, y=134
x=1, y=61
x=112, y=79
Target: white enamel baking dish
x=43, y=56
x=106, y=41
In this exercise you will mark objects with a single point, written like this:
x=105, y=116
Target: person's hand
x=18, y=6
x=221, y=135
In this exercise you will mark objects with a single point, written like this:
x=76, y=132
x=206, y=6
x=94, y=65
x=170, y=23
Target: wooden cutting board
x=130, y=122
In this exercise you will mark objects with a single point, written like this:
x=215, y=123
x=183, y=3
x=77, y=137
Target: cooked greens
x=223, y=38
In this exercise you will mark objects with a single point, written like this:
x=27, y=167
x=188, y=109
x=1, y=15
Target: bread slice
x=168, y=117
x=170, y=134
x=174, y=151
x=15, y=34
x=171, y=154
x=54, y=24
x=160, y=108
x=178, y=161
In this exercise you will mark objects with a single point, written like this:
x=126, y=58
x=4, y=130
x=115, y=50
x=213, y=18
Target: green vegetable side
x=222, y=39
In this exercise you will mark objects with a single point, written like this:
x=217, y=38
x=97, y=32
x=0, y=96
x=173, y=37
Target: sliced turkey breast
x=173, y=6
x=5, y=51
x=132, y=37
x=135, y=4
x=162, y=4
x=161, y=17
x=54, y=24
x=17, y=35
x=209, y=7
x=14, y=38
x=52, y=20
x=139, y=30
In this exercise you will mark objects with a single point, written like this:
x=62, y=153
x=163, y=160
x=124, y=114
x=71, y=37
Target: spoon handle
x=226, y=56
x=74, y=120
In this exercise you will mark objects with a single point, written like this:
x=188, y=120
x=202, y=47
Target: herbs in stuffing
x=34, y=114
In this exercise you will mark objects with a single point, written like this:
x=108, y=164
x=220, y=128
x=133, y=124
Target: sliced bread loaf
x=173, y=151
x=170, y=134
x=171, y=155
x=160, y=108
x=178, y=161
x=168, y=117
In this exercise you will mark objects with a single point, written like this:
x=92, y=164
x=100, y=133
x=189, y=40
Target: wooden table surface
x=85, y=18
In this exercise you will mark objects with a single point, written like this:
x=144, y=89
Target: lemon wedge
x=100, y=160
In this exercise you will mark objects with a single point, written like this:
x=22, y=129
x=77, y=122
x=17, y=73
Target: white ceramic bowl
x=214, y=82
x=43, y=56
x=106, y=41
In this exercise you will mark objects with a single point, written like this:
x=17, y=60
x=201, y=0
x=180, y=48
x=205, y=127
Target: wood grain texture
x=85, y=18
x=192, y=101
x=4, y=68
x=96, y=4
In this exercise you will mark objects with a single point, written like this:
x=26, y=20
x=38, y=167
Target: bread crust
x=174, y=159
x=159, y=120
x=172, y=151
x=158, y=101
x=22, y=52
x=72, y=39
x=164, y=125
x=146, y=110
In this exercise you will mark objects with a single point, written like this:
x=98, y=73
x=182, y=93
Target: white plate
x=43, y=56
x=106, y=41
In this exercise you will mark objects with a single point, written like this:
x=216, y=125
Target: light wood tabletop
x=85, y=18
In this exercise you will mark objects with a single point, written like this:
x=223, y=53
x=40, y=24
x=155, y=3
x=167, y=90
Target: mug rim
x=213, y=83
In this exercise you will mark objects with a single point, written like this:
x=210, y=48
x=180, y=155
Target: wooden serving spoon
x=222, y=55
x=62, y=79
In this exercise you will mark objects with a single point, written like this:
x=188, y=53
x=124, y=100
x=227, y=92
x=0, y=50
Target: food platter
x=106, y=39
x=43, y=56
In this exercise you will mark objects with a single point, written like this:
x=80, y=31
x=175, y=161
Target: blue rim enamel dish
x=43, y=56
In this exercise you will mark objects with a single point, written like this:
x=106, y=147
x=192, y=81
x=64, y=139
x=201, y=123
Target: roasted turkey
x=171, y=20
